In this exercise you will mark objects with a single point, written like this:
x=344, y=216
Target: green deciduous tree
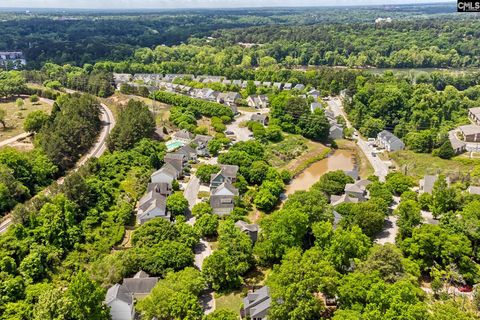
x=35, y=121
x=134, y=122
x=177, y=204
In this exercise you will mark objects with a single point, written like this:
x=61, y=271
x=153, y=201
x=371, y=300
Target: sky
x=167, y=4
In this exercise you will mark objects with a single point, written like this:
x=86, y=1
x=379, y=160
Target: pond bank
x=338, y=160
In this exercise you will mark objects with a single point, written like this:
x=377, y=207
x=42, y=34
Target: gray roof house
x=164, y=188
x=120, y=297
x=167, y=173
x=257, y=102
x=189, y=152
x=256, y=304
x=177, y=160
x=152, y=205
x=470, y=132
x=232, y=97
x=202, y=144
x=389, y=141
x=237, y=83
x=299, y=87
x=250, y=230
x=345, y=198
x=474, y=115
x=260, y=118
x=141, y=284
x=227, y=173
x=120, y=302
x=426, y=184
x=314, y=93
x=222, y=199
x=266, y=84
x=121, y=78
x=357, y=189
x=278, y=85
x=182, y=135
x=335, y=131
x=474, y=190
x=458, y=145
x=287, y=86
x=315, y=106
x=330, y=115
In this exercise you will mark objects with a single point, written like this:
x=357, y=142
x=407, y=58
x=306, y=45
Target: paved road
x=191, y=191
x=379, y=166
x=390, y=227
x=242, y=134
x=108, y=122
x=203, y=249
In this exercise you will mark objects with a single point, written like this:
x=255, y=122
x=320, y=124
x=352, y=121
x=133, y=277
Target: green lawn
x=420, y=164
x=232, y=301
x=291, y=147
x=15, y=116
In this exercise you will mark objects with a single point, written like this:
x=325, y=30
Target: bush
x=34, y=98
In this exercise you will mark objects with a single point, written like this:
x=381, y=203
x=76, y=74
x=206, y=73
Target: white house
x=152, y=205
x=120, y=301
x=335, y=131
x=389, y=141
x=165, y=174
x=222, y=199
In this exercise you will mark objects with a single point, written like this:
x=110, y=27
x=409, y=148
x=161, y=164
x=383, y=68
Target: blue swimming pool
x=174, y=144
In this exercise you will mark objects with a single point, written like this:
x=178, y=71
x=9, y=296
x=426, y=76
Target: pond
x=339, y=160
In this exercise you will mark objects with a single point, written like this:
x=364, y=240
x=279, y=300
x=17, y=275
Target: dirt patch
x=315, y=151
x=15, y=116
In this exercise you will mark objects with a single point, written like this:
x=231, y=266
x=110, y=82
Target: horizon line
x=233, y=7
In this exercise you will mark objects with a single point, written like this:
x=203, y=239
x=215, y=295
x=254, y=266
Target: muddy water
x=339, y=160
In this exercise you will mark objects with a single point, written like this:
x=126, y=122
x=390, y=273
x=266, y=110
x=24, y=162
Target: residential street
x=203, y=249
x=242, y=134
x=191, y=190
x=380, y=167
x=390, y=228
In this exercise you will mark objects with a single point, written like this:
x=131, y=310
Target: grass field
x=232, y=301
x=15, y=116
x=419, y=164
x=118, y=100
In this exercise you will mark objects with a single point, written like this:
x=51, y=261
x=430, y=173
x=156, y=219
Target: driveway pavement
x=242, y=134
x=191, y=191
x=379, y=166
x=390, y=227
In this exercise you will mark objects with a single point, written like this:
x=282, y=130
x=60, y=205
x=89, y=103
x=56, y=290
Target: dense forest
x=66, y=246
x=421, y=113
x=79, y=37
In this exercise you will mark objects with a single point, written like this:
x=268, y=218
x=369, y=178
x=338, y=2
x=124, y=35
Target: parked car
x=229, y=133
x=465, y=288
